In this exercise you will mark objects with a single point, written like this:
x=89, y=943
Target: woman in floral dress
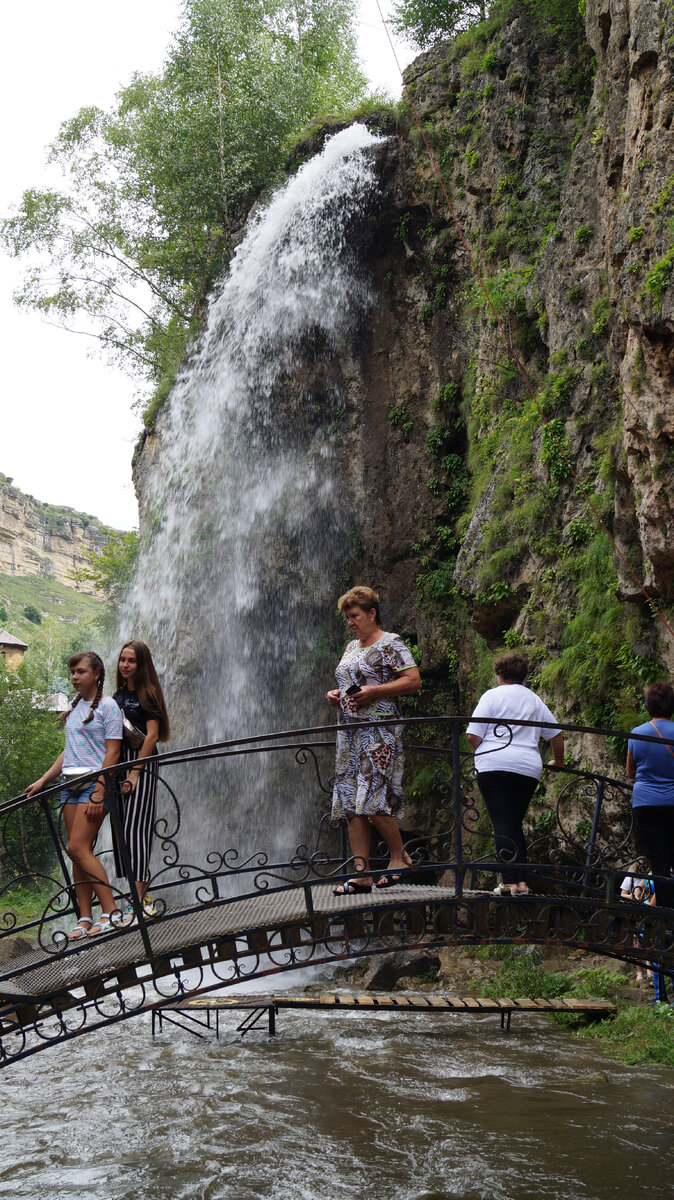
x=374, y=670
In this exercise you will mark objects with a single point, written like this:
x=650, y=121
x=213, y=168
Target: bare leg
x=390, y=830
x=81, y=837
x=83, y=887
x=359, y=838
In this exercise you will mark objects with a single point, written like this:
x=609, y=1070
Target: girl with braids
x=141, y=700
x=93, y=741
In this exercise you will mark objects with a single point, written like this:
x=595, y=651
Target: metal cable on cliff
x=511, y=349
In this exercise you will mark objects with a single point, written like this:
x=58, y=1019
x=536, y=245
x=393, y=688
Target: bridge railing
x=579, y=828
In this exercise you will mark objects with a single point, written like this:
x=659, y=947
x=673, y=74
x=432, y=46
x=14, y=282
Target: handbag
x=133, y=736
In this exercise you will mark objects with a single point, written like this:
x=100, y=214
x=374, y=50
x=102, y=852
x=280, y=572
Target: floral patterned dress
x=369, y=762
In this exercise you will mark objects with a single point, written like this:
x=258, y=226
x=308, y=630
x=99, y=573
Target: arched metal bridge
x=228, y=918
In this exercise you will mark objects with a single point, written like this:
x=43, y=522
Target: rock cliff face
x=44, y=540
x=471, y=415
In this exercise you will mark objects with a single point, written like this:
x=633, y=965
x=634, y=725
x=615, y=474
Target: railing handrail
x=259, y=742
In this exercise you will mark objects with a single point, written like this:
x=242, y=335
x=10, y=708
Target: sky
x=67, y=422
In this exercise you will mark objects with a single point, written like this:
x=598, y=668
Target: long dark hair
x=148, y=687
x=96, y=663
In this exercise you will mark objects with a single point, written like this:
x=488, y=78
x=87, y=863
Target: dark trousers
x=507, y=797
x=655, y=824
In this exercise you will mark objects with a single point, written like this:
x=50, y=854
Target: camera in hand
x=355, y=687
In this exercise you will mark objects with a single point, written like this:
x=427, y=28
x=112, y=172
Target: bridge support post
x=458, y=809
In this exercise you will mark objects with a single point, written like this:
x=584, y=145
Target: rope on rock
x=509, y=345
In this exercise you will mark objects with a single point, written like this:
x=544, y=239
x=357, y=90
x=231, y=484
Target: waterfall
x=246, y=527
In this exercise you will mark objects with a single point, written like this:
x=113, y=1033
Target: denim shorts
x=82, y=797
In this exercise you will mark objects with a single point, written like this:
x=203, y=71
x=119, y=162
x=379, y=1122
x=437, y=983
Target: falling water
x=248, y=528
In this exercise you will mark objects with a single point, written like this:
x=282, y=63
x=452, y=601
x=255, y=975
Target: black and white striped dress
x=138, y=809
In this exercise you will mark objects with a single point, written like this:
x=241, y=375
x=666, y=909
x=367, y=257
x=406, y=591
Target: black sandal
x=351, y=887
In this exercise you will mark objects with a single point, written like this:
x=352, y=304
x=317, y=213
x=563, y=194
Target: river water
x=382, y=1106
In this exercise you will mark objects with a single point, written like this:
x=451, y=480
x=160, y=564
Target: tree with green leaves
x=157, y=187
x=30, y=739
x=111, y=568
x=426, y=21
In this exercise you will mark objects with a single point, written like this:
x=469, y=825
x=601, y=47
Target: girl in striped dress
x=140, y=697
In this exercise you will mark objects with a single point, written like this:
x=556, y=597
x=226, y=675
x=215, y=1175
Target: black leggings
x=507, y=797
x=655, y=823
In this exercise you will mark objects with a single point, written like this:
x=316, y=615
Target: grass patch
x=637, y=1034
x=50, y=598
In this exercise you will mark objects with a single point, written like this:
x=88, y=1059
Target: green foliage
x=635, y=234
x=637, y=1035
x=575, y=294
x=30, y=740
x=426, y=21
x=159, y=184
x=32, y=614
x=519, y=976
x=601, y=315
x=398, y=418
x=111, y=569
x=659, y=278
x=52, y=645
x=666, y=195
x=555, y=449
x=435, y=438
x=599, y=664
x=580, y=531
x=59, y=606
x=447, y=395
x=583, y=234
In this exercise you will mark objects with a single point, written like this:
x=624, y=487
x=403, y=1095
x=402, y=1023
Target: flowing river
x=384, y=1107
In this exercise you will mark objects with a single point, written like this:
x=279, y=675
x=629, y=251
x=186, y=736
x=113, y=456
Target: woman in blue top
x=93, y=741
x=651, y=766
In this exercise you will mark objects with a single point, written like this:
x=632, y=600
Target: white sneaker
x=149, y=907
x=128, y=916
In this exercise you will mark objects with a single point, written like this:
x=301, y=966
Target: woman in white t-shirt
x=93, y=741
x=508, y=762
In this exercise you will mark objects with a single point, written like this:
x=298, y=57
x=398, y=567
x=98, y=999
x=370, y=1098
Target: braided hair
x=96, y=663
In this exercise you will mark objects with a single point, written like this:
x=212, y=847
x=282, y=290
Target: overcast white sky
x=67, y=429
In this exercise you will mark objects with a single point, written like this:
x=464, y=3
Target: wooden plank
x=486, y=1003
x=439, y=1002
x=346, y=1001
x=326, y=999
x=364, y=1001
x=589, y=1005
x=456, y=1003
x=385, y=1001
x=470, y=1002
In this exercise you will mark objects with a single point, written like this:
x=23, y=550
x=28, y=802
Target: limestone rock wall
x=44, y=540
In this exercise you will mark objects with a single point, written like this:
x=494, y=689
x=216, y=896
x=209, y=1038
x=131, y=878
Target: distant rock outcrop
x=45, y=540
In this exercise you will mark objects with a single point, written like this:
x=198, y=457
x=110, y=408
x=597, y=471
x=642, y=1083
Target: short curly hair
x=514, y=668
x=361, y=597
x=659, y=699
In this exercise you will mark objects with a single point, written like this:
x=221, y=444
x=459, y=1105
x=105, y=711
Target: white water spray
x=238, y=583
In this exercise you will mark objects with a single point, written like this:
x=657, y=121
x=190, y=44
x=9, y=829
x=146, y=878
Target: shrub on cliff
x=426, y=21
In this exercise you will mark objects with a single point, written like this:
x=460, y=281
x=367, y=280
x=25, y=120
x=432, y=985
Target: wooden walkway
x=196, y=1014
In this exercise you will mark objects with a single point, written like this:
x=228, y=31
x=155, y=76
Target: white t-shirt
x=514, y=748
